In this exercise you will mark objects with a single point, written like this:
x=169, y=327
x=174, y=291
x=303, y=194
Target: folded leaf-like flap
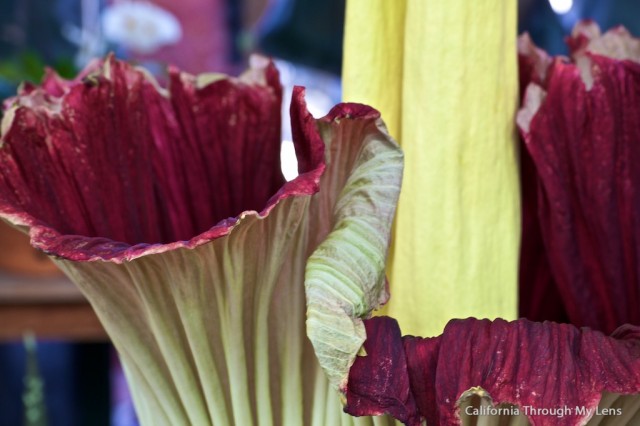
x=352, y=215
x=379, y=381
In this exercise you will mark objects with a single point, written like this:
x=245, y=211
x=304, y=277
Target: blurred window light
x=561, y=6
x=288, y=160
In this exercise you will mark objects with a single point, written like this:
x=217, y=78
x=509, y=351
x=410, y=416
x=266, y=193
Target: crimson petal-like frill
x=552, y=374
x=538, y=299
x=168, y=209
x=580, y=122
x=115, y=135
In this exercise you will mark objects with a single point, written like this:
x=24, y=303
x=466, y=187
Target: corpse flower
x=481, y=372
x=168, y=209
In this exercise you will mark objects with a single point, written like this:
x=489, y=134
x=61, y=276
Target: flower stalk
x=444, y=75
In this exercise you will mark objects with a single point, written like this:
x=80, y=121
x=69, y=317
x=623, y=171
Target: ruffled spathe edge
x=81, y=248
x=308, y=144
x=520, y=363
x=589, y=48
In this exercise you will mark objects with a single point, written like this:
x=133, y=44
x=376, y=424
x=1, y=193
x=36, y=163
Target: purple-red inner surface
x=581, y=192
x=524, y=363
x=123, y=162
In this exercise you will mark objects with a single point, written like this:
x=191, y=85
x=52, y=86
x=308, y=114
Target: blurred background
x=73, y=377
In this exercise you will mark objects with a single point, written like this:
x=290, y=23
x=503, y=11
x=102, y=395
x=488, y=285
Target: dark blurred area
x=306, y=32
x=75, y=379
x=31, y=36
x=197, y=36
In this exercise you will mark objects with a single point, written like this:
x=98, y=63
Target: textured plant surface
x=533, y=366
x=168, y=209
x=580, y=124
x=444, y=76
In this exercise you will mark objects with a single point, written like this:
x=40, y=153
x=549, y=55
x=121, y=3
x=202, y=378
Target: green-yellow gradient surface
x=444, y=76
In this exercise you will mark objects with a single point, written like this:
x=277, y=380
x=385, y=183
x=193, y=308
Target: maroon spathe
x=528, y=364
x=126, y=168
x=581, y=233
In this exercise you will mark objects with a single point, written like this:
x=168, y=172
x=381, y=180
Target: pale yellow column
x=373, y=57
x=455, y=249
